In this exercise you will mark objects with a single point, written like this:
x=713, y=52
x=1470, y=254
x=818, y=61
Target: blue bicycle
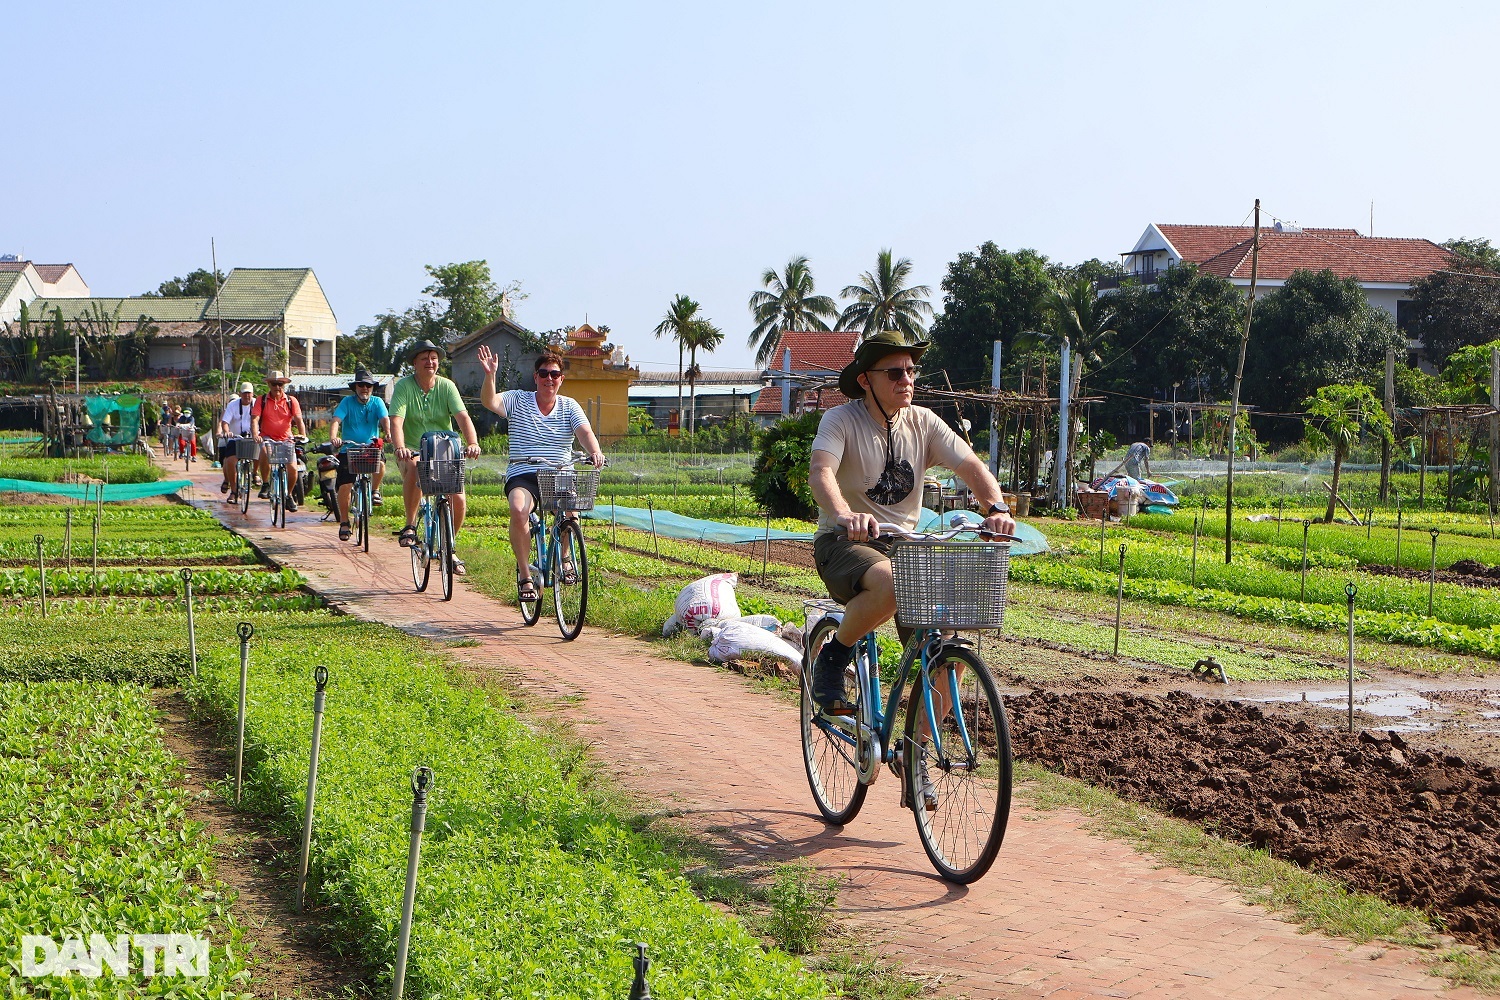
x=561, y=559
x=438, y=477
x=953, y=756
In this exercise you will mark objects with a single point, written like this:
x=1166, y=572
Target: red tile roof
x=50, y=273
x=1225, y=251
x=13, y=265
x=814, y=352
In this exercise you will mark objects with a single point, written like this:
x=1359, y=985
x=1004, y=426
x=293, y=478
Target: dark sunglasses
x=549, y=373
x=896, y=374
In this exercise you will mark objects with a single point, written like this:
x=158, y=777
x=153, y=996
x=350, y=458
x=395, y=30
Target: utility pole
x=213, y=262
x=1390, y=412
x=75, y=363
x=1234, y=401
x=1494, y=425
x=994, y=414
x=1060, y=460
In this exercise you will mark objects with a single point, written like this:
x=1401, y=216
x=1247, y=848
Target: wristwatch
x=998, y=508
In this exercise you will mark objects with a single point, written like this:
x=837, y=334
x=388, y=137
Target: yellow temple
x=599, y=378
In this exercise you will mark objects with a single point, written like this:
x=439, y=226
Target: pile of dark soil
x=1416, y=827
x=1465, y=573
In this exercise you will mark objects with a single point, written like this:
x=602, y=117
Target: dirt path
x=1063, y=913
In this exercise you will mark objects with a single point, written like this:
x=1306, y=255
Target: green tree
x=199, y=284
x=701, y=335
x=1455, y=308
x=1338, y=415
x=1466, y=377
x=1079, y=316
x=884, y=302
x=678, y=324
x=782, y=467
x=381, y=345
x=1475, y=251
x=787, y=301
x=1317, y=329
x=988, y=295
x=468, y=297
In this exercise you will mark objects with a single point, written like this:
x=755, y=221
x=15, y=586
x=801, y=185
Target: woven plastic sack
x=703, y=601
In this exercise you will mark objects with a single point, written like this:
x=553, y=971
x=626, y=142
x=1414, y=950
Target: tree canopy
x=195, y=284
x=786, y=301
x=1455, y=308
x=468, y=297
x=988, y=294
x=884, y=302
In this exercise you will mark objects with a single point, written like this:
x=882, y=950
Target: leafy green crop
x=110, y=468
x=26, y=583
x=94, y=838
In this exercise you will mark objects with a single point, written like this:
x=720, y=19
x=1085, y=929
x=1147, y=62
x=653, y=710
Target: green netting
x=673, y=525
x=127, y=410
x=90, y=491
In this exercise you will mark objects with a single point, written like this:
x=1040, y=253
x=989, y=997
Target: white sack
x=732, y=639
x=703, y=601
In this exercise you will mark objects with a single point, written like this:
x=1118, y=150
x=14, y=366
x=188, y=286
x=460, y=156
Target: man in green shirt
x=424, y=404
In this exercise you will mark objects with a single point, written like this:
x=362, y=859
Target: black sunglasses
x=896, y=374
x=549, y=373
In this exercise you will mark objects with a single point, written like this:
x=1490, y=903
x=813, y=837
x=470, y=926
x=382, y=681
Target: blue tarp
x=673, y=525
x=90, y=491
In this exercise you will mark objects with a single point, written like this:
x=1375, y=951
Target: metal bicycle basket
x=441, y=476
x=246, y=449
x=568, y=489
x=280, y=452
x=363, y=460
x=947, y=584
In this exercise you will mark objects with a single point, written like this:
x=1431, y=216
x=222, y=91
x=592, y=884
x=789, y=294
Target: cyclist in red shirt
x=272, y=420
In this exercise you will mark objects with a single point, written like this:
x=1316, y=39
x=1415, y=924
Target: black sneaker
x=265, y=492
x=828, y=683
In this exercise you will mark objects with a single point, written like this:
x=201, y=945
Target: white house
x=22, y=281
x=1384, y=266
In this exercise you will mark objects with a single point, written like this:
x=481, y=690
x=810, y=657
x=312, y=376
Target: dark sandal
x=526, y=590
x=345, y=530
x=408, y=536
x=837, y=706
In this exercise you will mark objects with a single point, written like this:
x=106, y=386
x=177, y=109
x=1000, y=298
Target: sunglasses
x=897, y=374
x=549, y=373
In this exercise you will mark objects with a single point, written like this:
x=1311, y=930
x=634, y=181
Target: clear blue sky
x=610, y=156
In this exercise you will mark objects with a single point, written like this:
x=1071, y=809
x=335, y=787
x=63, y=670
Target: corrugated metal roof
x=656, y=390
x=257, y=292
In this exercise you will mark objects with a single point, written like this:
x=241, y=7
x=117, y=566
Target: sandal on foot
x=408, y=536
x=345, y=530
x=836, y=706
x=526, y=589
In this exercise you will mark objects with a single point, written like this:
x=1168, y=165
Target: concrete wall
x=70, y=286
x=308, y=315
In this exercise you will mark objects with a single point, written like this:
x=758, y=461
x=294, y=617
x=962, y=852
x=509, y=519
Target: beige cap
x=246, y=387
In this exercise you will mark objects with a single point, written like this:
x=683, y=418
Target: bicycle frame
x=550, y=540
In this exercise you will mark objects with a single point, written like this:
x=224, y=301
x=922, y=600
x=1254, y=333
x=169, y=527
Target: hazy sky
x=612, y=155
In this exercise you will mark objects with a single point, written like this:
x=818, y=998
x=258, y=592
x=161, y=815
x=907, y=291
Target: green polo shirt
x=425, y=411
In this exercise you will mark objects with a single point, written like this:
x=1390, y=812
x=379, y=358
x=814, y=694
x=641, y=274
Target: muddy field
x=1410, y=823
x=1465, y=573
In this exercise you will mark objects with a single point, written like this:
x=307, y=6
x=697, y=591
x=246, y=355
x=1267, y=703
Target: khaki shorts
x=842, y=563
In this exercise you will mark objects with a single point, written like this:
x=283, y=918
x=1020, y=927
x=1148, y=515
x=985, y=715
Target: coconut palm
x=700, y=335
x=787, y=302
x=1077, y=315
x=884, y=303
x=677, y=324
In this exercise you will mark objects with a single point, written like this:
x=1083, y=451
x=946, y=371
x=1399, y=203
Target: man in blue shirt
x=359, y=419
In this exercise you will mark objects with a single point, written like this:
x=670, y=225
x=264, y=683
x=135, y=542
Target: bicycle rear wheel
x=830, y=751
x=421, y=564
x=570, y=588
x=969, y=768
x=531, y=611
x=445, y=546
x=278, y=496
x=362, y=524
x=243, y=479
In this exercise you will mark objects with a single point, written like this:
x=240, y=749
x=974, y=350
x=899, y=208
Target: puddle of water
x=1384, y=704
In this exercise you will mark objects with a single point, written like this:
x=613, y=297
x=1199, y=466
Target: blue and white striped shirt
x=533, y=435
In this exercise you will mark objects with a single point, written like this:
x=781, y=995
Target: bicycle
x=434, y=524
x=245, y=452
x=955, y=771
x=364, y=462
x=282, y=455
x=562, y=561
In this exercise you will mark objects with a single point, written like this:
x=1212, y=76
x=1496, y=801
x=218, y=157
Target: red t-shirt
x=276, y=416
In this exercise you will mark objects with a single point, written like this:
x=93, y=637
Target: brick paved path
x=1062, y=914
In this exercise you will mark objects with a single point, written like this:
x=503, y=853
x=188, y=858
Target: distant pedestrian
x=1137, y=458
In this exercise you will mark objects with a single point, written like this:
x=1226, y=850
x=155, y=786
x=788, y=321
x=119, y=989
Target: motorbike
x=328, y=469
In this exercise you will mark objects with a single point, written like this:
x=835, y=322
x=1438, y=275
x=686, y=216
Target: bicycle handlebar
x=897, y=531
x=578, y=456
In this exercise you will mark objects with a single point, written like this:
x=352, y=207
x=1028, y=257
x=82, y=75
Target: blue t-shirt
x=533, y=435
x=361, y=421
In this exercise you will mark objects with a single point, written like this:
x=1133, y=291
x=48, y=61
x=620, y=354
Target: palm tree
x=786, y=303
x=677, y=324
x=700, y=335
x=1081, y=318
x=884, y=303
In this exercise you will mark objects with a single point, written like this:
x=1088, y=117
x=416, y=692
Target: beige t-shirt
x=850, y=434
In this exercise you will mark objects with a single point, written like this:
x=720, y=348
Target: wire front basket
x=280, y=452
x=568, y=490
x=441, y=476
x=950, y=584
x=363, y=460
x=246, y=449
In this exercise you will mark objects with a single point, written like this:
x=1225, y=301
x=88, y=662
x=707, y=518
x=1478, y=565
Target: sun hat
x=362, y=376
x=276, y=378
x=872, y=350
x=424, y=345
x=246, y=387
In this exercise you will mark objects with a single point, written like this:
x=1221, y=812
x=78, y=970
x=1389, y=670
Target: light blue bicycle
x=560, y=557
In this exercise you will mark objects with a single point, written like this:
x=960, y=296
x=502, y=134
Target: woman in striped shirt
x=542, y=425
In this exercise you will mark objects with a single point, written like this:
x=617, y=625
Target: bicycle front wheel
x=830, y=750
x=445, y=547
x=278, y=497
x=243, y=480
x=570, y=579
x=421, y=564
x=963, y=804
x=362, y=523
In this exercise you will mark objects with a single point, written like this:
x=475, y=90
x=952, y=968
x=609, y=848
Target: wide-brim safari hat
x=362, y=376
x=276, y=378
x=884, y=343
x=424, y=345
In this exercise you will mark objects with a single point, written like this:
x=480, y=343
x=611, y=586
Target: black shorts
x=226, y=453
x=528, y=482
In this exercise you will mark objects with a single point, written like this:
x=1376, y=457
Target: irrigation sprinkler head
x=1435, y=533
x=186, y=574
x=320, y=677
x=1350, y=590
x=40, y=539
x=421, y=782
x=245, y=630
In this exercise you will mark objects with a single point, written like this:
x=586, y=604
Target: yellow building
x=599, y=378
